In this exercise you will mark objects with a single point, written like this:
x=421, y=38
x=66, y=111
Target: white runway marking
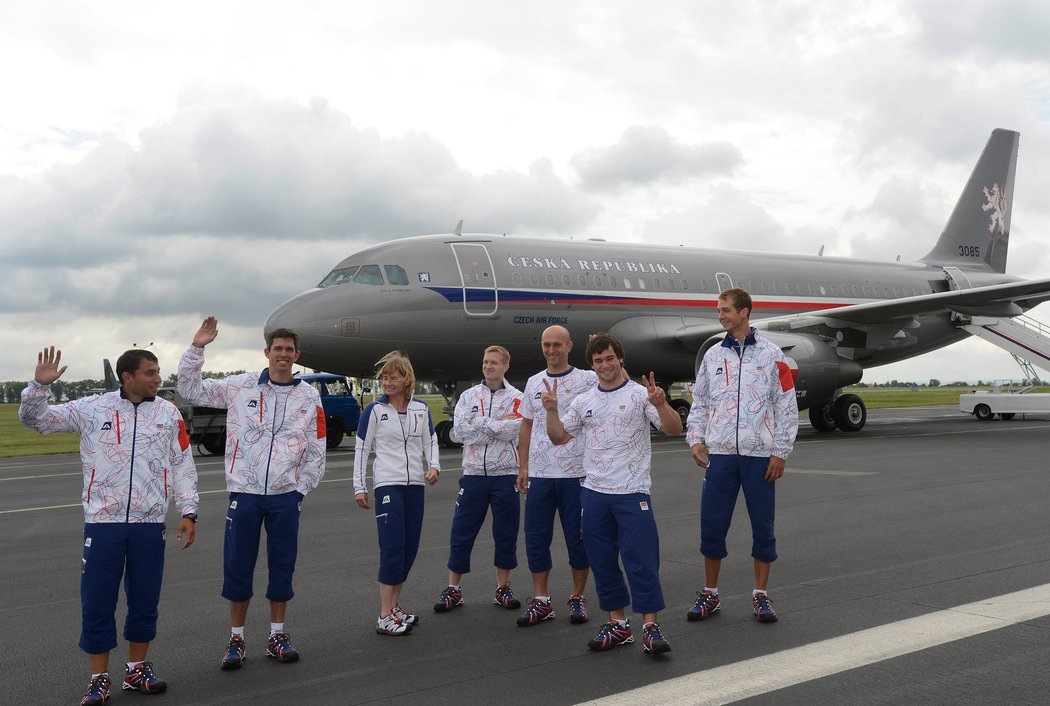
x=761, y=675
x=814, y=472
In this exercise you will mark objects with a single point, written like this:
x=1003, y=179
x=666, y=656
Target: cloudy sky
x=162, y=161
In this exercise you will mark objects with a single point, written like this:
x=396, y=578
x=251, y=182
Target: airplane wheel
x=821, y=418
x=1006, y=416
x=214, y=444
x=335, y=433
x=444, y=434
x=682, y=407
x=983, y=412
x=850, y=413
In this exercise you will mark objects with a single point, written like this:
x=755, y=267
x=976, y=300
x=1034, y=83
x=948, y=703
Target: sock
x=623, y=623
x=96, y=676
x=132, y=665
x=758, y=591
x=237, y=631
x=544, y=599
x=455, y=587
x=713, y=590
x=276, y=628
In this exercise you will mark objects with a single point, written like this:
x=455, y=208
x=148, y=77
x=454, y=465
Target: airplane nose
x=297, y=314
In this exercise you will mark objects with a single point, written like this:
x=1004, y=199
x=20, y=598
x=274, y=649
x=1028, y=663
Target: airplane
x=442, y=298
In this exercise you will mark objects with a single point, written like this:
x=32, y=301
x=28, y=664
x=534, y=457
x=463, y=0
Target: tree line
x=66, y=390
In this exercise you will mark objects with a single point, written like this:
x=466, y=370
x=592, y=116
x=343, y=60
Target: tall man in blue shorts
x=741, y=428
x=613, y=421
x=487, y=423
x=275, y=455
x=136, y=457
x=551, y=475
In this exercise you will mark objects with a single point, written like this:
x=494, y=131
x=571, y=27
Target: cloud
x=647, y=154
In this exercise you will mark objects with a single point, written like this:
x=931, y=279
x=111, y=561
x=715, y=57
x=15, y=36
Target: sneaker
x=449, y=599
x=280, y=648
x=97, y=692
x=611, y=635
x=706, y=604
x=764, y=610
x=577, y=611
x=537, y=612
x=505, y=597
x=234, y=657
x=142, y=678
x=409, y=619
x=653, y=640
x=391, y=625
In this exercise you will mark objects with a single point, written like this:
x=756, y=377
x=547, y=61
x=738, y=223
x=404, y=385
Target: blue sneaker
x=706, y=604
x=764, y=610
x=653, y=640
x=611, y=635
x=280, y=648
x=142, y=678
x=97, y=692
x=577, y=611
x=505, y=597
x=449, y=599
x=234, y=657
x=537, y=612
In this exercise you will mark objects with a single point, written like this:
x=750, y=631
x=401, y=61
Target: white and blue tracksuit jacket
x=402, y=454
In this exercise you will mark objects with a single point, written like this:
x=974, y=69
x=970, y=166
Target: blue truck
x=207, y=426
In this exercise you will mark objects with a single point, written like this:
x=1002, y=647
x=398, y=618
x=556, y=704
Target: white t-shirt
x=545, y=459
x=613, y=426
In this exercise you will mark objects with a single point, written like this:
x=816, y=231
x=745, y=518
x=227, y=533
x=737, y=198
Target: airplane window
x=565, y=281
x=626, y=282
x=534, y=279
x=516, y=278
x=395, y=274
x=812, y=290
x=598, y=281
x=896, y=292
x=656, y=283
x=612, y=282
x=765, y=288
x=835, y=289
x=856, y=291
x=867, y=292
x=550, y=280
x=703, y=284
x=583, y=280
x=685, y=284
x=777, y=288
x=641, y=283
x=339, y=276
x=823, y=291
x=670, y=283
x=369, y=274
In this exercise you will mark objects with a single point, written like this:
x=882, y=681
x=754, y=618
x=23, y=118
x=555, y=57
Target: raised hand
x=656, y=394
x=206, y=333
x=47, y=370
x=549, y=399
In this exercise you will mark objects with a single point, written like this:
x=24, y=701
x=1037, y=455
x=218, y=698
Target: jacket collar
x=264, y=377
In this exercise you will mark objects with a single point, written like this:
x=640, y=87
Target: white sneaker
x=391, y=625
x=409, y=619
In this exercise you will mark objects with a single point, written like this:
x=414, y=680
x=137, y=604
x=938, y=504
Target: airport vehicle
x=207, y=426
x=442, y=298
x=1006, y=403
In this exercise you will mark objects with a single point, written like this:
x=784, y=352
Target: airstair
x=1025, y=338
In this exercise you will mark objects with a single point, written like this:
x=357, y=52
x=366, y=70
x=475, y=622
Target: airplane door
x=724, y=281
x=480, y=296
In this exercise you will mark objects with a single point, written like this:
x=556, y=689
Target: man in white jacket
x=487, y=422
x=136, y=457
x=275, y=455
x=741, y=428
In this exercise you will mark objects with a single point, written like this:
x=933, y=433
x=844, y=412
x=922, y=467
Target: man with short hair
x=552, y=476
x=487, y=422
x=741, y=428
x=136, y=456
x=612, y=419
x=275, y=455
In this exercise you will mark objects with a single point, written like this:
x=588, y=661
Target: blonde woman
x=398, y=430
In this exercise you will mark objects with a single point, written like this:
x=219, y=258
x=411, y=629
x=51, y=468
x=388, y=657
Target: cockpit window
x=341, y=276
x=395, y=274
x=369, y=274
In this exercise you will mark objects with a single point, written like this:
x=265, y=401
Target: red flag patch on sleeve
x=184, y=438
x=322, y=425
x=787, y=375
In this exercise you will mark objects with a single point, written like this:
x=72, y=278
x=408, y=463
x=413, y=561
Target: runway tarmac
x=914, y=568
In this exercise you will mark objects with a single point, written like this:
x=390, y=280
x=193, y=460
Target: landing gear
x=444, y=435
x=682, y=407
x=215, y=444
x=850, y=413
x=822, y=417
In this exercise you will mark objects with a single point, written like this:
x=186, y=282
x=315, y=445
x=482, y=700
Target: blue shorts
x=547, y=496
x=476, y=495
x=726, y=475
x=623, y=526
x=115, y=550
x=399, y=522
x=245, y=517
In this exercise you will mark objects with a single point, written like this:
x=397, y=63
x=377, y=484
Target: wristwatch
x=192, y=516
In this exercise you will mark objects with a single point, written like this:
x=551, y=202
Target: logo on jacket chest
x=107, y=426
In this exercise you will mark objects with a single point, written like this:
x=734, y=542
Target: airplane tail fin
x=109, y=379
x=978, y=231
